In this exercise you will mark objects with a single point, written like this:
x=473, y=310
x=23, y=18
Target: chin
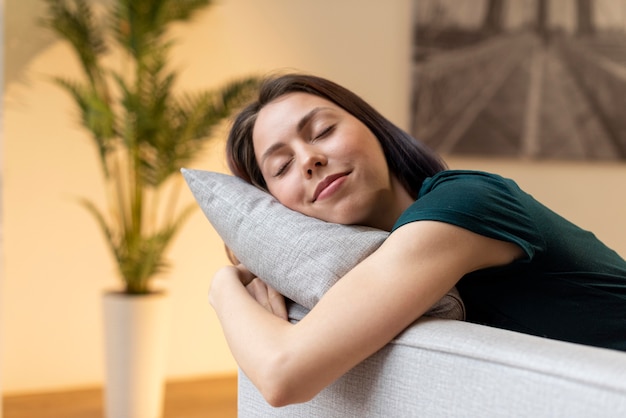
x=343, y=215
x=349, y=219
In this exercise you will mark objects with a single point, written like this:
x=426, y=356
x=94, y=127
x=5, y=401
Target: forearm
x=254, y=335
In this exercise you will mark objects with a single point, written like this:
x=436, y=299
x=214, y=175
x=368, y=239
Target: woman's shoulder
x=469, y=191
x=452, y=179
x=481, y=202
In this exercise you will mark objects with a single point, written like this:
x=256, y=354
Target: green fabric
x=570, y=286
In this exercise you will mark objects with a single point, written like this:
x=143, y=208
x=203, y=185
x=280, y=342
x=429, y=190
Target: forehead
x=282, y=116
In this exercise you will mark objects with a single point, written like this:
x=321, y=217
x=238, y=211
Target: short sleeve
x=480, y=202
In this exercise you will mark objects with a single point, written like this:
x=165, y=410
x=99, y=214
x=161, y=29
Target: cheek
x=288, y=193
x=361, y=141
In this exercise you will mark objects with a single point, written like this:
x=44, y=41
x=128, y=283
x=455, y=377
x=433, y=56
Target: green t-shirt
x=569, y=286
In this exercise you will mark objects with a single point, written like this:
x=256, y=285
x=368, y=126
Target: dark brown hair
x=408, y=159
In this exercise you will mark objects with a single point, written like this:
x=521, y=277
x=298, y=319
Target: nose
x=313, y=159
x=309, y=171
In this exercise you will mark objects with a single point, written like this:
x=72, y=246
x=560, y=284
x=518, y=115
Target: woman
x=322, y=151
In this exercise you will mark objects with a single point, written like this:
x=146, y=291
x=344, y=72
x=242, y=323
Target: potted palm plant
x=144, y=133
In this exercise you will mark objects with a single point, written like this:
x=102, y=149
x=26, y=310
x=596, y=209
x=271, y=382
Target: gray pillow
x=299, y=256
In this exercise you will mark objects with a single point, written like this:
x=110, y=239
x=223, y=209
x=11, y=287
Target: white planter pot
x=136, y=337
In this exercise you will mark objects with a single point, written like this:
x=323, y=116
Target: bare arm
x=361, y=313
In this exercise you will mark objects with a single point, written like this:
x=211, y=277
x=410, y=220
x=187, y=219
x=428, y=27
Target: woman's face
x=321, y=161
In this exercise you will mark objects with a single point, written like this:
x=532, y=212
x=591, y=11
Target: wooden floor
x=214, y=397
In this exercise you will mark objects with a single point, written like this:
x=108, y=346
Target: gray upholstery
x=448, y=368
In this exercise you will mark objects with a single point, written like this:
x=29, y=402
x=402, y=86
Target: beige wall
x=1, y=192
x=56, y=262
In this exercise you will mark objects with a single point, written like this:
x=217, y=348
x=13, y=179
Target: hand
x=245, y=276
x=268, y=297
x=238, y=275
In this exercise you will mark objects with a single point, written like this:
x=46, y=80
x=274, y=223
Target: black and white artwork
x=533, y=79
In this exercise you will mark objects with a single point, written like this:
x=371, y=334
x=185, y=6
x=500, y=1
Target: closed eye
x=283, y=168
x=325, y=132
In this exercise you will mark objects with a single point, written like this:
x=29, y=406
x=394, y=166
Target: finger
x=258, y=290
x=245, y=275
x=277, y=303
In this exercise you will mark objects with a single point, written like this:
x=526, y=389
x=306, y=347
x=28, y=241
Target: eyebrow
x=302, y=123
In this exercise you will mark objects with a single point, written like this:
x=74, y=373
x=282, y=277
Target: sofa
x=441, y=366
x=450, y=368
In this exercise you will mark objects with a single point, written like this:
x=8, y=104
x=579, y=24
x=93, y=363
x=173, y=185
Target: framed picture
x=533, y=79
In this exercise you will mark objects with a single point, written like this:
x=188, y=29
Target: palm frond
x=108, y=233
x=129, y=22
x=78, y=26
x=238, y=91
x=139, y=25
x=96, y=115
x=144, y=132
x=143, y=258
x=184, y=9
x=199, y=114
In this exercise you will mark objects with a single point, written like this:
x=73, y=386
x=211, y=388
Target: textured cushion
x=300, y=256
x=439, y=368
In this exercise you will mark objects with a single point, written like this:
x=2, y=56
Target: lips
x=325, y=183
